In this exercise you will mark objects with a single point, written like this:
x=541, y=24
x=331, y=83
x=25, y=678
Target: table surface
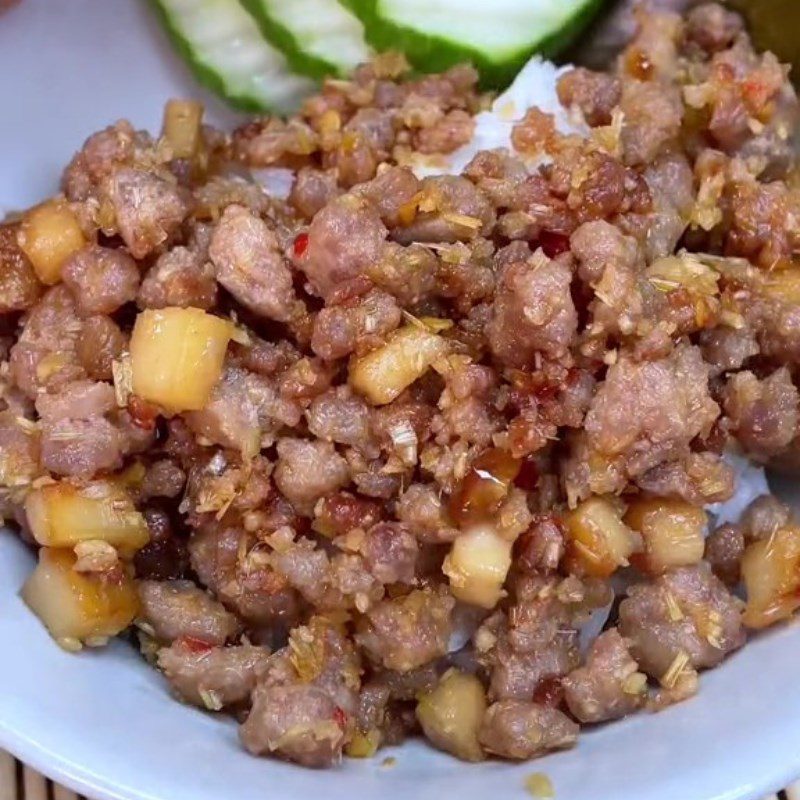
x=18, y=782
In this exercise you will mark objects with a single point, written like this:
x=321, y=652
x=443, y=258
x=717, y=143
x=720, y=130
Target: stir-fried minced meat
x=148, y=208
x=249, y=264
x=259, y=595
x=407, y=632
x=307, y=470
x=763, y=414
x=358, y=323
x=764, y=517
x=175, y=609
x=643, y=414
x=299, y=722
x=396, y=446
x=518, y=729
x=101, y=279
x=19, y=286
x=44, y=355
x=533, y=311
x=211, y=677
x=685, y=613
x=344, y=238
x=180, y=277
x=82, y=431
x=305, y=697
x=609, y=685
x=724, y=551
x=535, y=644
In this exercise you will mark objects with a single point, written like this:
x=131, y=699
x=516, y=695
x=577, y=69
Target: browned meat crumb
x=305, y=697
x=763, y=414
x=763, y=517
x=521, y=730
x=686, y=612
x=409, y=631
x=596, y=94
x=44, y=356
x=101, y=279
x=533, y=311
x=19, y=286
x=148, y=208
x=609, y=686
x=298, y=722
x=176, y=609
x=180, y=277
x=443, y=397
x=259, y=595
x=307, y=470
x=724, y=551
x=250, y=266
x=100, y=343
x=358, y=323
x=344, y=238
x=211, y=677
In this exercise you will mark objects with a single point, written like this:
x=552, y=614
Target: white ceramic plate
x=102, y=722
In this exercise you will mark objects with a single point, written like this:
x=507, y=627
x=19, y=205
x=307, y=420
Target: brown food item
x=521, y=730
x=249, y=264
x=686, y=612
x=609, y=686
x=408, y=432
x=176, y=609
x=409, y=631
x=148, y=208
x=19, y=286
x=208, y=676
x=180, y=277
x=101, y=279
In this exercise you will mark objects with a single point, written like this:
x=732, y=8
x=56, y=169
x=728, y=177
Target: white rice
x=277, y=181
x=535, y=85
x=593, y=626
x=751, y=482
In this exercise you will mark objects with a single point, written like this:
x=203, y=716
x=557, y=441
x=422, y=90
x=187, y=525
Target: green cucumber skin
x=282, y=38
x=432, y=53
x=204, y=75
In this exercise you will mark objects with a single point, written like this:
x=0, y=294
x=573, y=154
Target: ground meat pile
x=371, y=459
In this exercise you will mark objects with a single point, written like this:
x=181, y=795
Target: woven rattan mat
x=18, y=782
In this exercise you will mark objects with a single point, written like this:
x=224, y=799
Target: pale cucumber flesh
x=225, y=48
x=318, y=37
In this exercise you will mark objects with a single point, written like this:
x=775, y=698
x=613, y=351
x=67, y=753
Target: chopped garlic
x=95, y=555
x=634, y=684
x=539, y=785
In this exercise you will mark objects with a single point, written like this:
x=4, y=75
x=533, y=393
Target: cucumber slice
x=223, y=46
x=318, y=37
x=497, y=37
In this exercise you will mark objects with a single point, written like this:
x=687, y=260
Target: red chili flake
x=339, y=717
x=756, y=93
x=143, y=414
x=553, y=244
x=300, y=244
x=195, y=645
